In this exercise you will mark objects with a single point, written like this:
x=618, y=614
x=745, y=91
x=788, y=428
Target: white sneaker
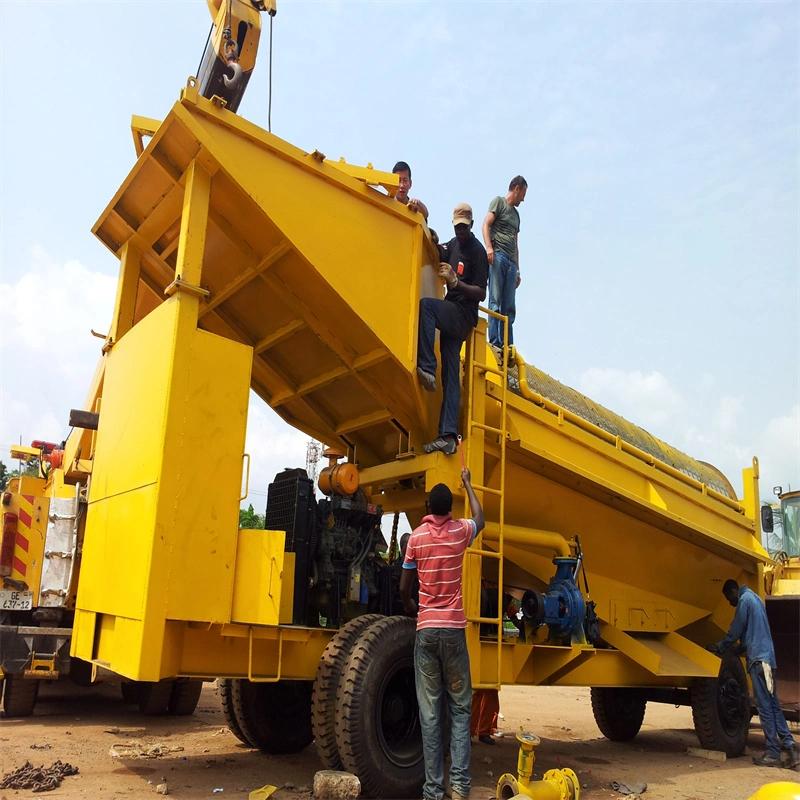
x=498, y=735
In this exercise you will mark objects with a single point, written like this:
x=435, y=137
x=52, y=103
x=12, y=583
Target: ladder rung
x=487, y=620
x=489, y=428
x=487, y=368
x=487, y=553
x=478, y=488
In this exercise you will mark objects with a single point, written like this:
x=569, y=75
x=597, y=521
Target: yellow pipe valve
x=557, y=784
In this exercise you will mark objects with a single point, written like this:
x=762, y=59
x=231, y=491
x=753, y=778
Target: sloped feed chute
x=317, y=271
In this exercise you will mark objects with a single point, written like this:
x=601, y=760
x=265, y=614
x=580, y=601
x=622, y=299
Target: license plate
x=12, y=600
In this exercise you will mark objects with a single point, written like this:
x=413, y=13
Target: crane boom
x=230, y=53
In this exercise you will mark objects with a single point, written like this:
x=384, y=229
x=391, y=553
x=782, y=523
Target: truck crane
x=41, y=520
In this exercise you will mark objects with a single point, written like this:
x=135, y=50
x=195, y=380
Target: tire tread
x=326, y=685
x=19, y=695
x=615, y=722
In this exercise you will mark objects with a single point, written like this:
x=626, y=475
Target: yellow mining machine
x=782, y=586
x=247, y=264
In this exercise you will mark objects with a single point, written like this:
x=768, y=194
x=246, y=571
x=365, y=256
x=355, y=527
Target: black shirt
x=472, y=266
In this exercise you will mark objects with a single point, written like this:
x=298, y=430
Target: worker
x=464, y=269
x=751, y=626
x=403, y=171
x=435, y=553
x=486, y=702
x=501, y=237
x=485, y=713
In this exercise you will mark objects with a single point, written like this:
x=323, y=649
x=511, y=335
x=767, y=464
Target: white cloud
x=52, y=307
x=645, y=400
x=780, y=452
x=272, y=445
x=719, y=431
x=47, y=352
x=48, y=357
x=726, y=420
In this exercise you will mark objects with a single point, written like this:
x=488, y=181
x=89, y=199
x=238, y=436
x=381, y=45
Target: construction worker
x=751, y=626
x=435, y=553
x=403, y=171
x=464, y=269
x=501, y=237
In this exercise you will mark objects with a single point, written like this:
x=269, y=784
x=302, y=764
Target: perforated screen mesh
x=587, y=409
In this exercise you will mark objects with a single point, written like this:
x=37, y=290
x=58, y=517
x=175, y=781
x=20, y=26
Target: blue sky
x=659, y=251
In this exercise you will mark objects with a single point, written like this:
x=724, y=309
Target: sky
x=660, y=236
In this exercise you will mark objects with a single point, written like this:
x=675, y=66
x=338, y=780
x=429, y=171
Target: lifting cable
x=269, y=106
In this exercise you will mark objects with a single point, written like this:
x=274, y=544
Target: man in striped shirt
x=441, y=661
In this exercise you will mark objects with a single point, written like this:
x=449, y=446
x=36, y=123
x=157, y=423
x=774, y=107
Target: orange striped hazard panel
x=21, y=559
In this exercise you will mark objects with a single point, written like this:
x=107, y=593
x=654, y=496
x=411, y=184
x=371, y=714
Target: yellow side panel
x=203, y=479
x=260, y=577
x=116, y=558
x=164, y=500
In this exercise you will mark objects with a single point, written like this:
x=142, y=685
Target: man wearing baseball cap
x=465, y=270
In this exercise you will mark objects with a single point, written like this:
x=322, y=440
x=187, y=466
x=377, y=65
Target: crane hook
x=232, y=83
x=232, y=55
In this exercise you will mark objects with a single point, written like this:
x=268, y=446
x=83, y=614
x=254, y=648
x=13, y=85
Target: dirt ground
x=80, y=726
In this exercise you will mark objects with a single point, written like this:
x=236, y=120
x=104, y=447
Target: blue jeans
x=441, y=665
x=773, y=723
x=502, y=296
x=454, y=327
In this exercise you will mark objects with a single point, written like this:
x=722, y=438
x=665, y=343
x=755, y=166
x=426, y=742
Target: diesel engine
x=339, y=572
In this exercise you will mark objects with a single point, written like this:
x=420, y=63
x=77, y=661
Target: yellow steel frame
x=239, y=271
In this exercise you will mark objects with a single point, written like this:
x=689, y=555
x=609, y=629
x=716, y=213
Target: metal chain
x=38, y=779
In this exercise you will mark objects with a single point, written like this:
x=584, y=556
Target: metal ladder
x=476, y=366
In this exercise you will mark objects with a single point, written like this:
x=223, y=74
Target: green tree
x=5, y=475
x=249, y=518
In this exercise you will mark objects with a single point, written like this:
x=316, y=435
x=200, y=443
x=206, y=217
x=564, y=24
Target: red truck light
x=7, y=547
x=47, y=447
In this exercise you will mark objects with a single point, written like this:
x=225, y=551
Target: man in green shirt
x=500, y=235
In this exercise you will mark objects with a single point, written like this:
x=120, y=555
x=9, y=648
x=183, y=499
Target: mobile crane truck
x=246, y=263
x=42, y=525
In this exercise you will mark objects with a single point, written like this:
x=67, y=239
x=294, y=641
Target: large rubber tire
x=618, y=712
x=226, y=689
x=275, y=717
x=130, y=692
x=377, y=732
x=721, y=708
x=185, y=696
x=326, y=684
x=19, y=695
x=154, y=697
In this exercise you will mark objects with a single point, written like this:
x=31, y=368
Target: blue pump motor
x=561, y=607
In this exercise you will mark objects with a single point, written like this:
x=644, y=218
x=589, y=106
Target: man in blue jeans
x=750, y=624
x=501, y=237
x=464, y=268
x=441, y=661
